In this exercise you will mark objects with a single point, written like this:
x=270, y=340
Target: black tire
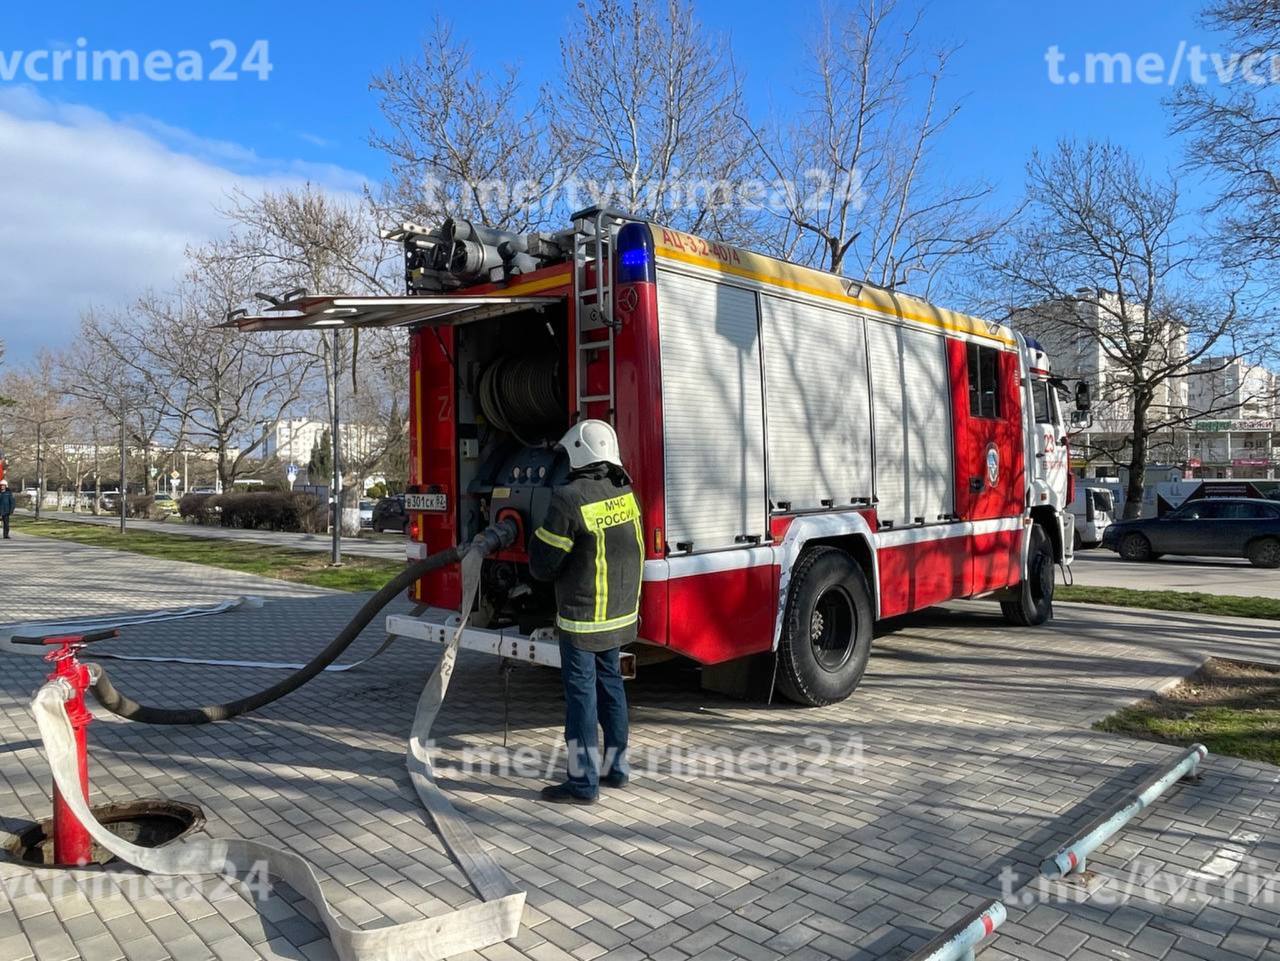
x=1136, y=547
x=826, y=631
x=1076, y=542
x=1264, y=552
x=1033, y=604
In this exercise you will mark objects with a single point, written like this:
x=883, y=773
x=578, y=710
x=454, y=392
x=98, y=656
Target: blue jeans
x=593, y=694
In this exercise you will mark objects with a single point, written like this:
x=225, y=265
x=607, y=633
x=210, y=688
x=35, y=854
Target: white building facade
x=1224, y=410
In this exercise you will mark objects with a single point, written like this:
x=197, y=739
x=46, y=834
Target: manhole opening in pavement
x=146, y=822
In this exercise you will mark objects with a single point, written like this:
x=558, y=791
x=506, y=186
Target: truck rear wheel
x=826, y=631
x=1033, y=604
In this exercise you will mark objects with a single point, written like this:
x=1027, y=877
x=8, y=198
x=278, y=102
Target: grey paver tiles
x=974, y=739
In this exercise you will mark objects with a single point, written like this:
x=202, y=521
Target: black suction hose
x=495, y=537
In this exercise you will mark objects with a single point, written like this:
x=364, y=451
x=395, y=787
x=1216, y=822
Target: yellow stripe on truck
x=675, y=245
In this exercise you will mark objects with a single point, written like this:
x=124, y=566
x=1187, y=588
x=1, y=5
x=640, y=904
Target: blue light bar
x=635, y=255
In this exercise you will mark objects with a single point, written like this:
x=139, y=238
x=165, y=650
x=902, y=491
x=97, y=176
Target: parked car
x=1209, y=527
x=389, y=515
x=164, y=503
x=366, y=513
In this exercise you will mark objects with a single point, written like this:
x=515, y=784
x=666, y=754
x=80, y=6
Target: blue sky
x=312, y=117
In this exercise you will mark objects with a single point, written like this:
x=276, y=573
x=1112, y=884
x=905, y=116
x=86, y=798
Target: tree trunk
x=1137, y=461
x=97, y=481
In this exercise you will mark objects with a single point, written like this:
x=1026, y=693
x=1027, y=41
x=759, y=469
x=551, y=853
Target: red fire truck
x=811, y=453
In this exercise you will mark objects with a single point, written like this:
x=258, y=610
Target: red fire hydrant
x=71, y=841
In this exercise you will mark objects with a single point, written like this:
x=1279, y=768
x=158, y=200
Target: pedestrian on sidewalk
x=6, y=506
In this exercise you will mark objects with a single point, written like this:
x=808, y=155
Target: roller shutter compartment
x=819, y=411
x=713, y=419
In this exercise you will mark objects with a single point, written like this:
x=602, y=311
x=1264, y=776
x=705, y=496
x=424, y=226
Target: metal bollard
x=1071, y=857
x=957, y=943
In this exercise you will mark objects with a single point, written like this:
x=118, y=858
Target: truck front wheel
x=826, y=630
x=1033, y=601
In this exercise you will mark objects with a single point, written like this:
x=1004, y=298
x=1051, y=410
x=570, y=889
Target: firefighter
x=591, y=545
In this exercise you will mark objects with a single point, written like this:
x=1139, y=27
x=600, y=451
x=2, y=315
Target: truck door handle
x=975, y=484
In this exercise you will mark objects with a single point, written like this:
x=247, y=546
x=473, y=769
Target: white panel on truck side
x=713, y=413
x=927, y=401
x=884, y=346
x=819, y=411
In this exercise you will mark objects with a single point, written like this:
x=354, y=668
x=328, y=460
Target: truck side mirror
x=1083, y=401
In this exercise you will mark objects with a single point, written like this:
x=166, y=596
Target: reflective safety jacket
x=592, y=545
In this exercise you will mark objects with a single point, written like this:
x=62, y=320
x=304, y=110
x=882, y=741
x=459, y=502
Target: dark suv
x=1207, y=527
x=389, y=515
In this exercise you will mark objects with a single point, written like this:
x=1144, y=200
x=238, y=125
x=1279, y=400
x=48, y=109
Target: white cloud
x=95, y=209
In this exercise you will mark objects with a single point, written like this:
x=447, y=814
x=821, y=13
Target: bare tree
x=220, y=384
x=1103, y=270
x=1235, y=131
x=4, y=401
x=647, y=101
x=307, y=239
x=35, y=423
x=115, y=386
x=860, y=192
x=463, y=144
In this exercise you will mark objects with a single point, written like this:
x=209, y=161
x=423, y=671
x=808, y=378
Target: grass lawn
x=304, y=567
x=1187, y=603
x=1230, y=707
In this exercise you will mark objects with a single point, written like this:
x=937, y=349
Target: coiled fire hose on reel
x=495, y=919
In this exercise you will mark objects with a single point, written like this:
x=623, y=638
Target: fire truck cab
x=812, y=454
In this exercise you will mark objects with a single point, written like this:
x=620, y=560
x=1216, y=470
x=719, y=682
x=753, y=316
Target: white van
x=1093, y=509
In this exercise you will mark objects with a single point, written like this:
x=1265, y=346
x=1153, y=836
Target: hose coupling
x=495, y=537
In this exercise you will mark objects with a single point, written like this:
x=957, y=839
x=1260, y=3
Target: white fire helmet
x=590, y=442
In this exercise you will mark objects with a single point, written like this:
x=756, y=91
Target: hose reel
x=522, y=397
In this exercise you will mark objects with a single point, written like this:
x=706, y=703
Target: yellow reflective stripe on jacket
x=597, y=627
x=555, y=540
x=640, y=544
x=602, y=575
x=599, y=516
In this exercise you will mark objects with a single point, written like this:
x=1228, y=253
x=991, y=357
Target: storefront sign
x=1223, y=426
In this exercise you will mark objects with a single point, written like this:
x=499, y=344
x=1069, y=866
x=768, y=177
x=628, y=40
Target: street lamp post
x=39, y=467
x=124, y=453
x=334, y=425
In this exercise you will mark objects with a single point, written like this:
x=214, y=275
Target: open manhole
x=147, y=822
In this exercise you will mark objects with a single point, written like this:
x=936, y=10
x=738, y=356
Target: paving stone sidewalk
x=856, y=831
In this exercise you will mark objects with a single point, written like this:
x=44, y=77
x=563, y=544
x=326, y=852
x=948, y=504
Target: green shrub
x=257, y=510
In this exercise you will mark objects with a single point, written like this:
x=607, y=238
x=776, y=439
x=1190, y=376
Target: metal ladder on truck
x=593, y=233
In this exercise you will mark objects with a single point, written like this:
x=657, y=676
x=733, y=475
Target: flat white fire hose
x=102, y=622
x=495, y=919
